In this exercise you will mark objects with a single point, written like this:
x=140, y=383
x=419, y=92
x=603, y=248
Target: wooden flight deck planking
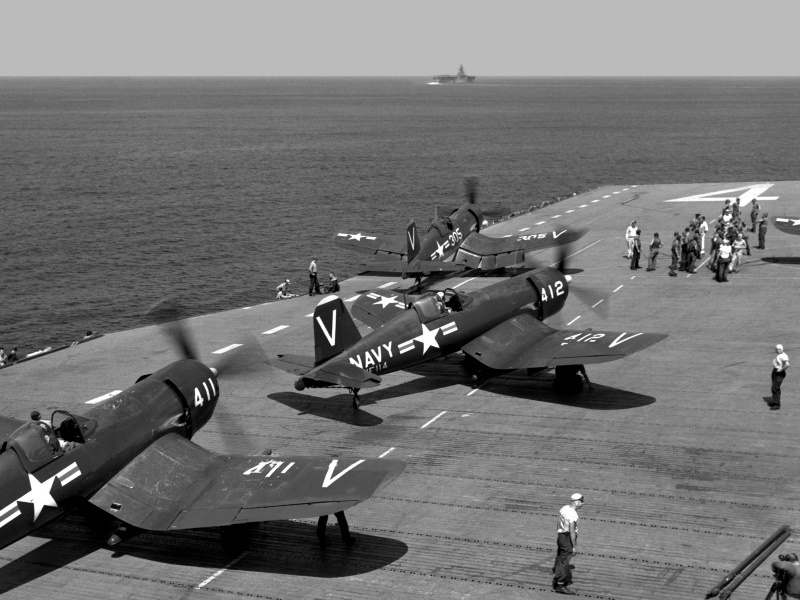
x=683, y=467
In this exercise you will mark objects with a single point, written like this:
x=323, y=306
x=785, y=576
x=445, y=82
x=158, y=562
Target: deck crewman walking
x=779, y=365
x=567, y=544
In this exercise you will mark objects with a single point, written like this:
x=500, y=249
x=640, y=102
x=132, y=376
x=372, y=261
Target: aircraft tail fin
x=334, y=329
x=412, y=241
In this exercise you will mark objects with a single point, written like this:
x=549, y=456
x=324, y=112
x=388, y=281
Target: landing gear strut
x=356, y=401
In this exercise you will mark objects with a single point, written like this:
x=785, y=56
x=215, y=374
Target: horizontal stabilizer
x=292, y=363
x=524, y=342
x=176, y=484
x=342, y=374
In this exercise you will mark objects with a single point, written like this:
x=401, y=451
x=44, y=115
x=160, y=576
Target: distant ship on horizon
x=460, y=77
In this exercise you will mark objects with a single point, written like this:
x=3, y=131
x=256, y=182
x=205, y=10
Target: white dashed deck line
x=103, y=397
x=463, y=282
x=541, y=222
x=310, y=315
x=226, y=349
x=509, y=235
x=433, y=419
x=354, y=298
x=615, y=192
x=633, y=277
x=607, y=196
x=385, y=285
x=583, y=206
x=596, y=303
x=573, y=320
x=598, y=200
x=618, y=289
x=570, y=211
x=385, y=453
x=556, y=216
x=525, y=229
x=247, y=308
x=275, y=329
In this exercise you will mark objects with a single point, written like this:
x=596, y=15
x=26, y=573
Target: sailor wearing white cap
x=567, y=544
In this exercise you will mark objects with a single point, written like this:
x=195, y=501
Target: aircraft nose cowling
x=299, y=385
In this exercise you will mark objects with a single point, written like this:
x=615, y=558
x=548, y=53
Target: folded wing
x=176, y=484
x=483, y=252
x=524, y=342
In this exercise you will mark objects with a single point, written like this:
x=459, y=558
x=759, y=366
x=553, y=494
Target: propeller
x=248, y=357
x=588, y=296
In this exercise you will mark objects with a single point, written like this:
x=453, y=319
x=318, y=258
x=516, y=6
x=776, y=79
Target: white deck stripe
x=103, y=397
x=541, y=222
x=433, y=419
x=385, y=285
x=353, y=298
x=387, y=452
x=619, y=288
x=226, y=349
x=573, y=320
x=596, y=303
x=221, y=571
x=275, y=329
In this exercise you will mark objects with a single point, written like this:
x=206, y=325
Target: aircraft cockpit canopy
x=72, y=428
x=435, y=305
x=34, y=444
x=444, y=225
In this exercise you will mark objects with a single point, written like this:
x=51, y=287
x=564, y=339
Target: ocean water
x=118, y=192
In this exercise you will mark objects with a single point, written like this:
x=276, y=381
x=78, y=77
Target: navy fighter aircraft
x=453, y=243
x=132, y=457
x=499, y=328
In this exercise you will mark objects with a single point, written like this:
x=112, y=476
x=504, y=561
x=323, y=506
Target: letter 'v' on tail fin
x=334, y=329
x=412, y=241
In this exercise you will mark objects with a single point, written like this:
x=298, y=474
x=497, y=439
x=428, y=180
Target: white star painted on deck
x=386, y=301
x=440, y=249
x=356, y=236
x=428, y=338
x=39, y=495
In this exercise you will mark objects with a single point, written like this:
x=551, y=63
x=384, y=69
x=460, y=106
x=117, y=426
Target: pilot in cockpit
x=49, y=435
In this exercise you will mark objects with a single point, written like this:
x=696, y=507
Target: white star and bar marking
x=385, y=301
x=794, y=222
x=40, y=494
x=356, y=236
x=427, y=338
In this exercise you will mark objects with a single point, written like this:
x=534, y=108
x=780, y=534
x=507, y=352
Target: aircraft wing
x=176, y=484
x=293, y=363
x=524, y=342
x=8, y=425
x=788, y=224
x=377, y=307
x=372, y=244
x=483, y=252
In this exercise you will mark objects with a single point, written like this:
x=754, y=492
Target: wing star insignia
x=385, y=301
x=794, y=222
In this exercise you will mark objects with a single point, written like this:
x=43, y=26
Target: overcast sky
x=401, y=37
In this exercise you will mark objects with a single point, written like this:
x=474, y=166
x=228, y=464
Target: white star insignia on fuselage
x=40, y=495
x=428, y=338
x=440, y=249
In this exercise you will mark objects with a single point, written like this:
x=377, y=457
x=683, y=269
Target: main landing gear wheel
x=356, y=401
